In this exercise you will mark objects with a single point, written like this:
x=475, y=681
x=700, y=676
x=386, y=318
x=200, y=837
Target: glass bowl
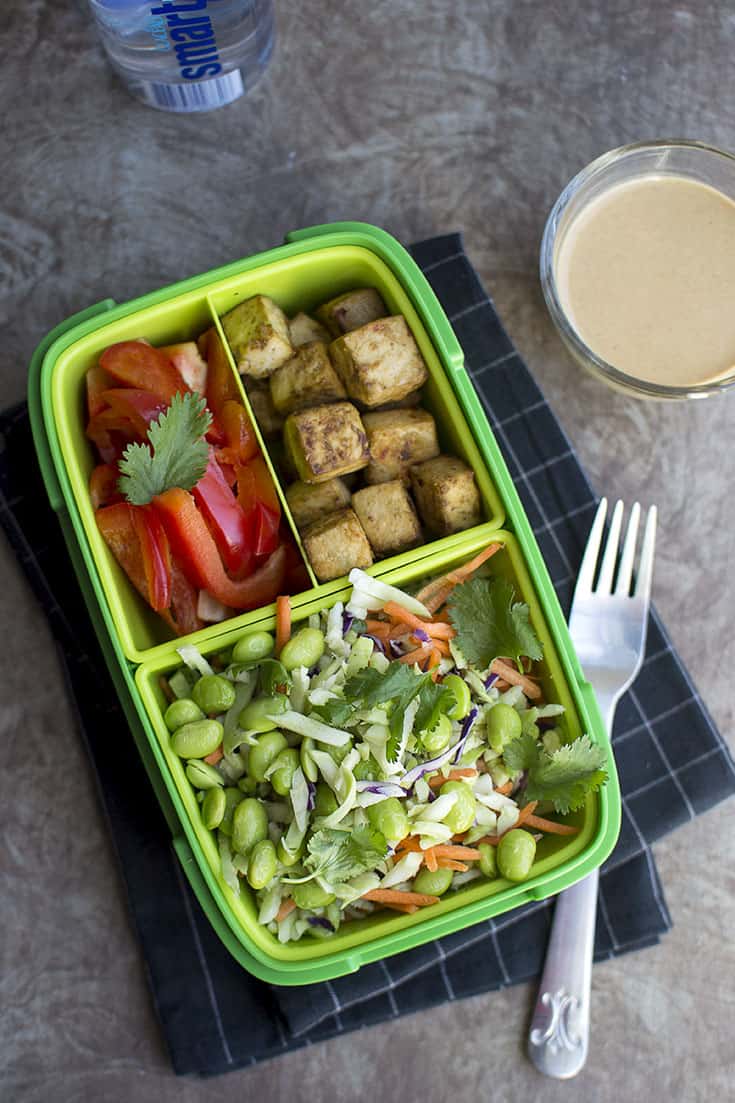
x=667, y=157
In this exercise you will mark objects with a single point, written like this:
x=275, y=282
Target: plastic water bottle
x=187, y=55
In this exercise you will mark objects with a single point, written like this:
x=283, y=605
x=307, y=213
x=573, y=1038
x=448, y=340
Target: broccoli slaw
x=386, y=768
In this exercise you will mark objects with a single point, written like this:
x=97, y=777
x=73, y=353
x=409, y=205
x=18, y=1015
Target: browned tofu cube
x=387, y=514
x=325, y=441
x=336, y=544
x=446, y=495
x=380, y=362
x=267, y=416
x=352, y=310
x=307, y=379
x=310, y=502
x=397, y=439
x=258, y=335
x=304, y=328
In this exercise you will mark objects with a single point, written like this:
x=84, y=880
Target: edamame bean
x=247, y=785
x=551, y=740
x=516, y=852
x=325, y=802
x=285, y=857
x=213, y=808
x=265, y=751
x=233, y=797
x=310, y=895
x=438, y=737
x=213, y=694
x=462, y=697
x=257, y=716
x=262, y=864
x=389, y=818
x=198, y=739
x=305, y=648
x=284, y=767
x=249, y=825
x=461, y=816
x=503, y=726
x=433, y=884
x=488, y=863
x=253, y=647
x=308, y=765
x=203, y=776
x=183, y=711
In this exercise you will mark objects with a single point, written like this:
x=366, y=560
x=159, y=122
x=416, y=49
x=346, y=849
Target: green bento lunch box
x=313, y=266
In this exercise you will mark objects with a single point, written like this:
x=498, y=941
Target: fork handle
x=560, y=1028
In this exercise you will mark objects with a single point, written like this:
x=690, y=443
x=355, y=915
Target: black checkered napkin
x=672, y=762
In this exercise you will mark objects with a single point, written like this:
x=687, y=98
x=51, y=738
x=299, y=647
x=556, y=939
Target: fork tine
x=645, y=571
x=591, y=552
x=607, y=570
x=625, y=571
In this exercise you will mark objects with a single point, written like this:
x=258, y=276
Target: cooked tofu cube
x=446, y=495
x=397, y=439
x=258, y=335
x=325, y=441
x=350, y=311
x=307, y=379
x=268, y=418
x=304, y=328
x=311, y=502
x=387, y=514
x=336, y=544
x=379, y=362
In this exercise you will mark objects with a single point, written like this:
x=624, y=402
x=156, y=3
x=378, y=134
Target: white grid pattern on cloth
x=392, y=974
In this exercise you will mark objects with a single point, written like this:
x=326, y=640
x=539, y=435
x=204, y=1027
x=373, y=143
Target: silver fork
x=608, y=628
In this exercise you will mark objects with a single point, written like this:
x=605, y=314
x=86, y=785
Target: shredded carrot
x=505, y=789
x=460, y=853
x=525, y=812
x=407, y=909
x=508, y=674
x=398, y=896
x=430, y=860
x=215, y=756
x=451, y=863
x=550, y=826
x=283, y=622
x=436, y=593
x=287, y=906
x=410, y=843
x=440, y=630
x=168, y=693
x=434, y=658
x=417, y=656
x=492, y=840
x=441, y=647
x=453, y=775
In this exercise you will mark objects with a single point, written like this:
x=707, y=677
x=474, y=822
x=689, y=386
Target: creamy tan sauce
x=646, y=275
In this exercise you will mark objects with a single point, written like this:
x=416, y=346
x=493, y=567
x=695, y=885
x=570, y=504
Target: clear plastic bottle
x=187, y=55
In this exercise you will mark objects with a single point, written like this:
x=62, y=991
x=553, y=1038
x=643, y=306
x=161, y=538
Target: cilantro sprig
x=176, y=455
x=336, y=856
x=565, y=778
x=490, y=623
x=399, y=684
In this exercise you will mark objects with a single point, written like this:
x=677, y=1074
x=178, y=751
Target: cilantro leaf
x=336, y=856
x=399, y=684
x=177, y=453
x=490, y=624
x=565, y=777
x=522, y=754
x=335, y=712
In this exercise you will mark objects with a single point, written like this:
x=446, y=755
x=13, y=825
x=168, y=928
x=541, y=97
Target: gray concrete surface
x=422, y=117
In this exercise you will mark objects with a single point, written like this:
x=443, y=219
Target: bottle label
x=190, y=31
x=204, y=95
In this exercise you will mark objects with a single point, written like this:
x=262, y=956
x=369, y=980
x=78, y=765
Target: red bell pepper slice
x=156, y=556
x=140, y=407
x=111, y=433
x=221, y=384
x=227, y=521
x=267, y=524
x=139, y=365
x=194, y=546
x=254, y=484
x=103, y=485
x=241, y=444
x=182, y=616
x=97, y=381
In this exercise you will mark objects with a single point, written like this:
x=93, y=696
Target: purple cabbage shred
x=466, y=729
x=311, y=798
x=419, y=634
x=378, y=643
x=320, y=921
x=490, y=680
x=347, y=622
